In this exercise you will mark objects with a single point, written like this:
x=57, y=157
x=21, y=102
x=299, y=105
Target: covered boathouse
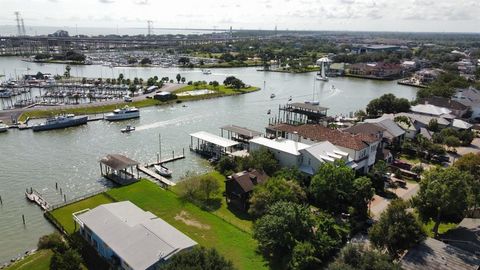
x=211, y=145
x=119, y=169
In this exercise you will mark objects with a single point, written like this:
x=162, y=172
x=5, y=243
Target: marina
x=70, y=156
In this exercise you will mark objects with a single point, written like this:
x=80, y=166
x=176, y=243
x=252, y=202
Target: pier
x=155, y=176
x=35, y=197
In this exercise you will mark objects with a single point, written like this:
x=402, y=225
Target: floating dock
x=35, y=197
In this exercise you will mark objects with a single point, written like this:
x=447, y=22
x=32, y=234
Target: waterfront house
x=128, y=237
x=362, y=148
x=239, y=187
x=285, y=151
x=426, y=76
x=314, y=156
x=465, y=236
x=391, y=132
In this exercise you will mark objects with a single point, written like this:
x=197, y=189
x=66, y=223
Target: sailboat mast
x=160, y=146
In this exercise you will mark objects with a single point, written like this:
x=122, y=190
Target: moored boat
x=61, y=121
x=163, y=171
x=3, y=128
x=206, y=71
x=123, y=114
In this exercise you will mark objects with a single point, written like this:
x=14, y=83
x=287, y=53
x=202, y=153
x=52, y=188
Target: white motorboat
x=3, y=128
x=163, y=171
x=123, y=114
x=127, y=129
x=272, y=96
x=206, y=71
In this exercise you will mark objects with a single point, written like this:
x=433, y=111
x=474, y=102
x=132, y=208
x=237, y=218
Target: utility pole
x=24, y=33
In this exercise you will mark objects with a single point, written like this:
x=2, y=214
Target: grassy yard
x=241, y=220
x=442, y=228
x=206, y=228
x=40, y=260
x=221, y=89
x=64, y=214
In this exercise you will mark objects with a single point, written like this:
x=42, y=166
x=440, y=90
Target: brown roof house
x=362, y=148
x=239, y=186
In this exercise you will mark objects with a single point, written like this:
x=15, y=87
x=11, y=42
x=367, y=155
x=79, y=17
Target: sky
x=352, y=15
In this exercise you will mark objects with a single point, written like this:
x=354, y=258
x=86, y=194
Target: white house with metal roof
x=285, y=151
x=318, y=154
x=130, y=238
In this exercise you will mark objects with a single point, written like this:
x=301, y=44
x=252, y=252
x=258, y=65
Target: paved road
x=6, y=115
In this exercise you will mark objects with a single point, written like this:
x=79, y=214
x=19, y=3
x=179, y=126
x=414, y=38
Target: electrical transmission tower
x=20, y=25
x=150, y=27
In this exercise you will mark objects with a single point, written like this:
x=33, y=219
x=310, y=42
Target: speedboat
x=269, y=111
x=163, y=171
x=272, y=96
x=127, y=129
x=3, y=128
x=206, y=71
x=123, y=114
x=61, y=121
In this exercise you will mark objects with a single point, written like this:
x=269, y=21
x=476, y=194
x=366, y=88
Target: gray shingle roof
x=434, y=254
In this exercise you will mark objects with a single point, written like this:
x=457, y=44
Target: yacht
x=206, y=71
x=123, y=114
x=4, y=93
x=61, y=121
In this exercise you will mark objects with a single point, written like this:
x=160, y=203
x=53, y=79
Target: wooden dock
x=95, y=119
x=155, y=175
x=167, y=160
x=35, y=197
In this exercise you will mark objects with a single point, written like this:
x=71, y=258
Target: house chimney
x=253, y=178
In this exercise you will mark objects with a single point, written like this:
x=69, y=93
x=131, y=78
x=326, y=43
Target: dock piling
x=61, y=191
x=23, y=218
x=173, y=154
x=1, y=202
x=56, y=185
x=64, y=197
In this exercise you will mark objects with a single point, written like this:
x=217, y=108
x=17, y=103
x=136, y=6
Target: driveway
x=380, y=204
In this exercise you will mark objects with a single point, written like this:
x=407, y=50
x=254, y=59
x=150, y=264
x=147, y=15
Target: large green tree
x=363, y=192
x=278, y=231
x=443, y=196
x=199, y=258
x=68, y=259
x=397, y=230
x=274, y=190
x=360, y=257
x=331, y=187
x=387, y=103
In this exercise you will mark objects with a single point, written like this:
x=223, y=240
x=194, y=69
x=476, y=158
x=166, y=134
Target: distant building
x=434, y=254
x=429, y=109
x=318, y=154
x=457, y=108
x=59, y=33
x=130, y=238
x=469, y=97
x=426, y=76
x=239, y=187
x=378, y=70
x=359, y=49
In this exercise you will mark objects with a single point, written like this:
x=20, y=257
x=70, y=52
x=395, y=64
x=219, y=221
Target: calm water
x=70, y=157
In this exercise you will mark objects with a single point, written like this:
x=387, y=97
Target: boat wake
x=176, y=121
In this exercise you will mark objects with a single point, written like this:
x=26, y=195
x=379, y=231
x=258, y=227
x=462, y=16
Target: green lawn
x=237, y=218
x=64, y=214
x=220, y=90
x=206, y=228
x=40, y=260
x=442, y=228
